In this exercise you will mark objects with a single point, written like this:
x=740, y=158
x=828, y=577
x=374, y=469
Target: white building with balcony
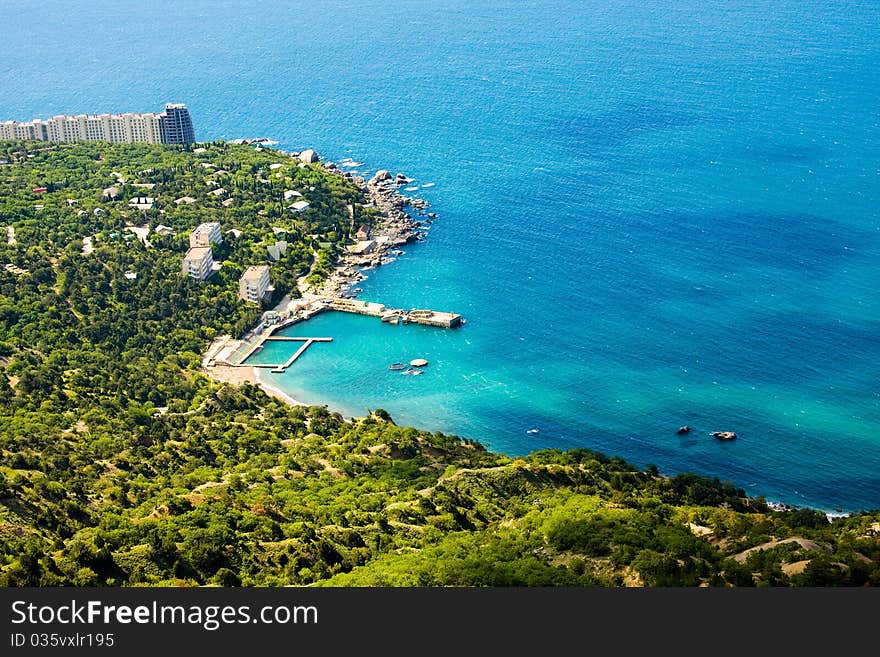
x=206, y=234
x=198, y=263
x=254, y=283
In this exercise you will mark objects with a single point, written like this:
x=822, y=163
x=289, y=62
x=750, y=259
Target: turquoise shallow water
x=651, y=214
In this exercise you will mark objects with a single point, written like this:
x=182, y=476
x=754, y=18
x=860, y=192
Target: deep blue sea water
x=652, y=213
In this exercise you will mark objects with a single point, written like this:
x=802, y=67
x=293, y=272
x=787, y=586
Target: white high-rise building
x=173, y=126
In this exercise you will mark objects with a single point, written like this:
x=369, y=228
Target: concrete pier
x=414, y=316
x=290, y=361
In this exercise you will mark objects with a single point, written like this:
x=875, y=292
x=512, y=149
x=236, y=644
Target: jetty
x=394, y=315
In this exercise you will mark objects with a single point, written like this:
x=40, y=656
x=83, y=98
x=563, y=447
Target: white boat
x=532, y=431
x=429, y=184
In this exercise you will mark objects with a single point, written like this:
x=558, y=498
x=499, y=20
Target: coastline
x=274, y=391
x=396, y=228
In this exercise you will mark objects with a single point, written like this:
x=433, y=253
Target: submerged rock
x=683, y=430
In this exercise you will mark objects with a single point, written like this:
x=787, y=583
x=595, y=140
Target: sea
x=650, y=213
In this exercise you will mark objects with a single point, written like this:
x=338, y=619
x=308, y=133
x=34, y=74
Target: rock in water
x=725, y=435
x=683, y=430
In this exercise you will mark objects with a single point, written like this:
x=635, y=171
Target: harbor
x=231, y=352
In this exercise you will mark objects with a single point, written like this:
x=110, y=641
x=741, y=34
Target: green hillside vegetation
x=121, y=464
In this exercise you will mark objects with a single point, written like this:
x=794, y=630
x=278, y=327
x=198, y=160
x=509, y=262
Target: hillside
x=123, y=465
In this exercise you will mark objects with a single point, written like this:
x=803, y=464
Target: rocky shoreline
x=397, y=228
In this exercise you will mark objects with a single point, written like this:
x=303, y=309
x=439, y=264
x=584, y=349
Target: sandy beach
x=244, y=374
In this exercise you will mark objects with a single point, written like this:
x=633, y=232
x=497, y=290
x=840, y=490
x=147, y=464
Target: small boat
x=357, y=289
x=532, y=431
x=430, y=184
x=417, y=372
x=397, y=366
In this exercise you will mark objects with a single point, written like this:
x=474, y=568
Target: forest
x=122, y=464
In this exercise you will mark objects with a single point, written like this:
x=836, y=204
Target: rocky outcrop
x=308, y=156
x=683, y=430
x=725, y=435
x=396, y=228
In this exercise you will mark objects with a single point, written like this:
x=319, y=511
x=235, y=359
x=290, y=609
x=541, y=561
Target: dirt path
x=805, y=543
